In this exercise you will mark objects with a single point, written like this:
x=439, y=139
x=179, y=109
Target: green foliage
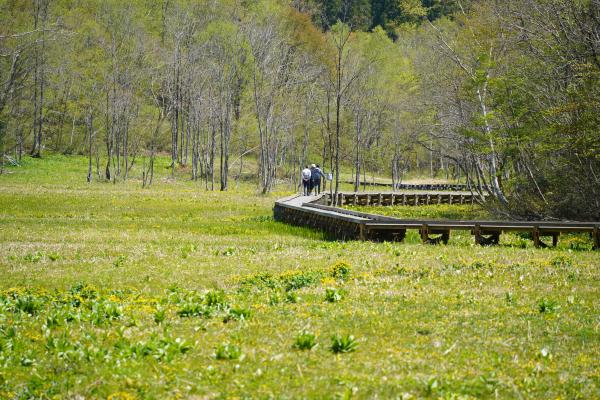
x=226, y=351
x=120, y=261
x=34, y=257
x=215, y=299
x=562, y=262
x=288, y=280
x=295, y=280
x=547, y=306
x=160, y=315
x=333, y=295
x=27, y=304
x=238, y=314
x=305, y=341
x=340, y=271
x=194, y=309
x=343, y=344
x=368, y=14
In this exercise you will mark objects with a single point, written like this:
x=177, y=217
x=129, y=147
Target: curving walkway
x=338, y=223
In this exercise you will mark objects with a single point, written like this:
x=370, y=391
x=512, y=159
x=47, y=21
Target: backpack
x=306, y=174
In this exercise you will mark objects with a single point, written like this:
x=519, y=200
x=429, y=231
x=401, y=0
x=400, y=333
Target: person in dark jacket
x=315, y=176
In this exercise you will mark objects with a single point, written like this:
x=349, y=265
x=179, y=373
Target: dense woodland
x=502, y=94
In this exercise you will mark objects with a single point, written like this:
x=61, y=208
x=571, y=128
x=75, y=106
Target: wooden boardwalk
x=314, y=212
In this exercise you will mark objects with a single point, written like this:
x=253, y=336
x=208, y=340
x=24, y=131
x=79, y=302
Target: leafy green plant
x=578, y=243
x=237, y=314
x=305, y=341
x=431, y=385
x=295, y=280
x=561, y=262
x=259, y=280
x=27, y=304
x=53, y=320
x=194, y=309
x=187, y=250
x=333, y=295
x=54, y=256
x=547, y=306
x=341, y=271
x=167, y=348
x=105, y=311
x=227, y=252
x=120, y=261
x=226, y=351
x=34, y=257
x=160, y=315
x=343, y=344
x=292, y=297
x=274, y=298
x=215, y=299
x=84, y=291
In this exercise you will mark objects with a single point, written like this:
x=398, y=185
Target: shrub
x=343, y=344
x=226, y=351
x=305, y=341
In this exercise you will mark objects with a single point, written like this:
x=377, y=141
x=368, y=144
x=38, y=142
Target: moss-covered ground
x=114, y=291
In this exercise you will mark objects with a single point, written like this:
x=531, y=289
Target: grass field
x=113, y=291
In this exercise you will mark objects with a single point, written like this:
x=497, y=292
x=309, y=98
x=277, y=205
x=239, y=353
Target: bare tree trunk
x=41, y=14
x=90, y=128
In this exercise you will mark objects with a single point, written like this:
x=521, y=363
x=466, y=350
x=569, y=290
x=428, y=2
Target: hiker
x=306, y=180
x=315, y=177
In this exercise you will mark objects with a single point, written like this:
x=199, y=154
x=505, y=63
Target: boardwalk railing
x=402, y=199
x=417, y=186
x=353, y=225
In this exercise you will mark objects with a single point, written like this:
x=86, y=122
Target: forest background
x=504, y=95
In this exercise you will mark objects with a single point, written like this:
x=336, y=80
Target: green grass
x=109, y=290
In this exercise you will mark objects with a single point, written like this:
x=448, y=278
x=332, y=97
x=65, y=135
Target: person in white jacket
x=306, y=180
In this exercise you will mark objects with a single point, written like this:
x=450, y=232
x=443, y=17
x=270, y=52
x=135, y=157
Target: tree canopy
x=472, y=91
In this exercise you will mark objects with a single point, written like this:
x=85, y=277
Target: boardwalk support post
x=425, y=233
x=477, y=233
x=362, y=236
x=536, y=237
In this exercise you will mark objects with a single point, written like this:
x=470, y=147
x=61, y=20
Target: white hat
x=313, y=166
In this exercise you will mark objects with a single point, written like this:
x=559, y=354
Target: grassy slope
x=430, y=320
